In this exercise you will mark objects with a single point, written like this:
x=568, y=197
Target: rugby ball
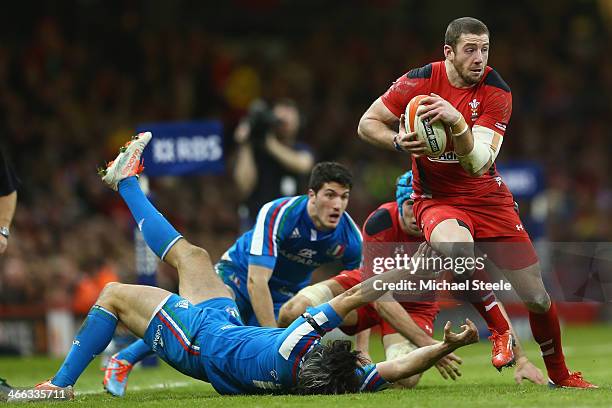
x=433, y=134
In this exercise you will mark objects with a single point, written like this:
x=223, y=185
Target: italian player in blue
x=200, y=334
x=269, y=264
x=292, y=237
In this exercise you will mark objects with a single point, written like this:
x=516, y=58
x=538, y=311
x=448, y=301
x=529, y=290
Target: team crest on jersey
x=232, y=311
x=337, y=252
x=474, y=107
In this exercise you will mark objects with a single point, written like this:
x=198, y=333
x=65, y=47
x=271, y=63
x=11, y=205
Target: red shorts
x=423, y=313
x=491, y=219
x=368, y=317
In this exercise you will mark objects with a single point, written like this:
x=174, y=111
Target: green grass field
x=587, y=349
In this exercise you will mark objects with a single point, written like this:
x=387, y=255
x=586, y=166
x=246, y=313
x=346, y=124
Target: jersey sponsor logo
x=295, y=234
x=157, y=339
x=183, y=304
x=299, y=259
x=448, y=157
x=474, y=108
x=337, y=252
x=228, y=326
x=519, y=227
x=307, y=253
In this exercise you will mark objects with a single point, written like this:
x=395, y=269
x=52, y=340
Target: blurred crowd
x=77, y=77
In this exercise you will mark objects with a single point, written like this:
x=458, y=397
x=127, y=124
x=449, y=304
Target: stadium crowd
x=71, y=89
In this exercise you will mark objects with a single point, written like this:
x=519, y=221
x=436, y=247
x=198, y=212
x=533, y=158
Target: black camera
x=261, y=120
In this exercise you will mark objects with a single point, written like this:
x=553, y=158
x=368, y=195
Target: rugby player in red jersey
x=459, y=196
x=407, y=325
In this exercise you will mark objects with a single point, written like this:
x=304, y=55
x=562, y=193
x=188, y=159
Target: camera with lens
x=261, y=120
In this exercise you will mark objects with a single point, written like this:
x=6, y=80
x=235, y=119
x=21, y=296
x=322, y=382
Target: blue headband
x=403, y=190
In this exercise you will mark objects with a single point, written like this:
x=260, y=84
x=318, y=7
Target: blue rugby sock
x=135, y=352
x=158, y=233
x=93, y=337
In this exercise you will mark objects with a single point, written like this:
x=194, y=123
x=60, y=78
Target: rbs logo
x=187, y=149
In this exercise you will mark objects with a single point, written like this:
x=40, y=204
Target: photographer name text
x=435, y=285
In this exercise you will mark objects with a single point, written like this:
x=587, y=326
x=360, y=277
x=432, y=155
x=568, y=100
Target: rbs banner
x=183, y=148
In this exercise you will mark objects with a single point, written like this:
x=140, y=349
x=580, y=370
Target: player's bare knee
x=109, y=294
x=288, y=313
x=539, y=303
x=193, y=256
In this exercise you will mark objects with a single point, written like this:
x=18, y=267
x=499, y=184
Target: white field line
x=141, y=388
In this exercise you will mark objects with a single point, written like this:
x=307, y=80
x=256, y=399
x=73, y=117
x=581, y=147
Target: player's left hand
x=437, y=108
x=448, y=366
x=525, y=370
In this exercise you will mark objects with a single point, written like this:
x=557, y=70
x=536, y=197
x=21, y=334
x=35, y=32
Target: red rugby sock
x=546, y=331
x=490, y=311
x=486, y=304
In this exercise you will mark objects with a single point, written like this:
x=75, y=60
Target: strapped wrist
x=459, y=127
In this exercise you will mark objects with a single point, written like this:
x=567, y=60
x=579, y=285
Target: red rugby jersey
x=488, y=104
x=383, y=226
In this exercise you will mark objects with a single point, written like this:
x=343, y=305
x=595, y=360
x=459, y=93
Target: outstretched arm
x=373, y=288
x=423, y=358
x=400, y=320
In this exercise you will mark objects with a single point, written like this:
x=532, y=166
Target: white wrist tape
x=317, y=294
x=486, y=147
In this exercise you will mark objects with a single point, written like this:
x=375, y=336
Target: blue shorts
x=230, y=276
x=178, y=329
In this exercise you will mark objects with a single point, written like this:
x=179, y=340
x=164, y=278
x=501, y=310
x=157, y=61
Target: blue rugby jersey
x=285, y=240
x=255, y=360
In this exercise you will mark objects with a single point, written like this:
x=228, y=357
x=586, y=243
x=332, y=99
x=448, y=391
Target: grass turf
x=586, y=349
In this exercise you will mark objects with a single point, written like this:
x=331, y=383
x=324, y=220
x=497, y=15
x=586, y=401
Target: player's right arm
x=267, y=235
x=380, y=127
x=259, y=292
x=423, y=358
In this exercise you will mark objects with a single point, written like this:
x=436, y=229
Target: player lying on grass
x=269, y=264
x=408, y=325
x=200, y=333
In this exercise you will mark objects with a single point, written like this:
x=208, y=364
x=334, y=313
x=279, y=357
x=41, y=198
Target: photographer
x=270, y=162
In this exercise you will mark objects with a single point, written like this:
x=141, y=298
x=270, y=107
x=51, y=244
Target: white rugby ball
x=433, y=134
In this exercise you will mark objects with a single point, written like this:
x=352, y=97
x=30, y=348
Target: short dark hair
x=331, y=369
x=463, y=25
x=328, y=172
